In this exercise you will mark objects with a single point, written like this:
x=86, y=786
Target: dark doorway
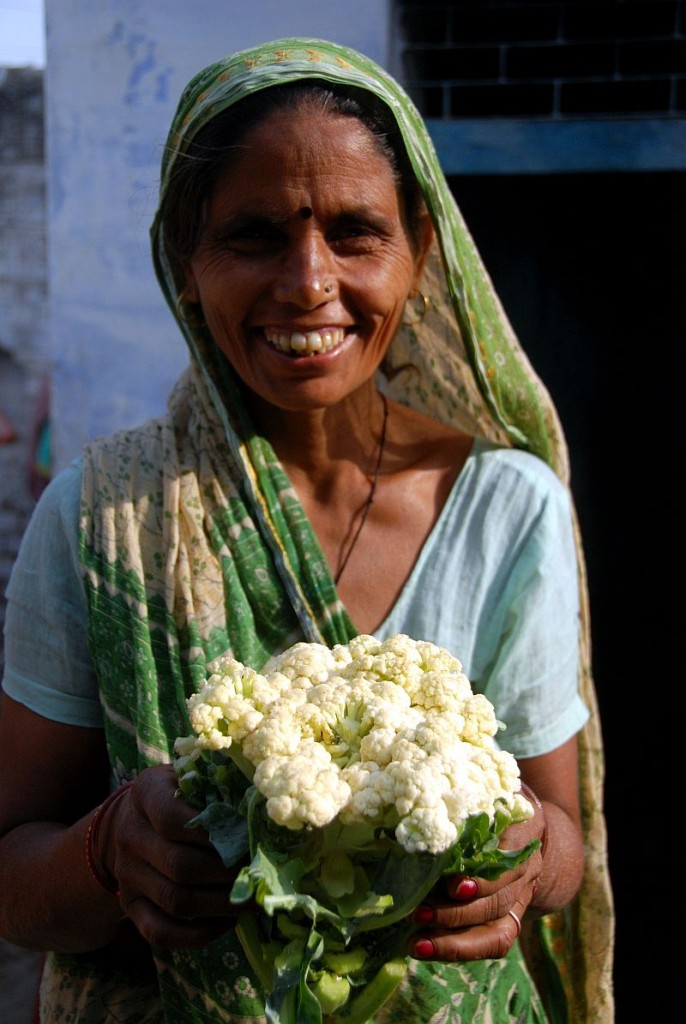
x=592, y=271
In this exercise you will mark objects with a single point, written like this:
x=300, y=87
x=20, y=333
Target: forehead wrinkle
x=305, y=176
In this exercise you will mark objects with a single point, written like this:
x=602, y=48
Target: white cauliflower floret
x=520, y=808
x=304, y=663
x=219, y=715
x=230, y=677
x=342, y=655
x=479, y=777
x=480, y=723
x=372, y=793
x=396, y=660
x=437, y=659
x=342, y=708
x=285, y=725
x=304, y=789
x=442, y=691
x=427, y=830
x=388, y=722
x=438, y=732
x=357, y=647
x=418, y=782
x=351, y=710
x=274, y=736
x=230, y=704
x=337, y=698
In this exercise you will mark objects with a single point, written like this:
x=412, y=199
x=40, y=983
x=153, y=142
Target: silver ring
x=517, y=921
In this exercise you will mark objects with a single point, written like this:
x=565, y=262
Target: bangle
x=532, y=798
x=99, y=873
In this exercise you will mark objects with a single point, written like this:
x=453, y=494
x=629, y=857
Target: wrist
x=98, y=870
x=538, y=808
x=539, y=812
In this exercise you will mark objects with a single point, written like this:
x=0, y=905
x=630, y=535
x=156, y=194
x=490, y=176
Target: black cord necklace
x=372, y=491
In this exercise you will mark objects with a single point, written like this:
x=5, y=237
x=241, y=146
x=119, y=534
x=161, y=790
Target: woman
x=359, y=445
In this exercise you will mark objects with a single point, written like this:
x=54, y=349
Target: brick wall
x=544, y=58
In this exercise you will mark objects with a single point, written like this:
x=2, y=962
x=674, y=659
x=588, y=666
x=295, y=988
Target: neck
x=346, y=552
x=322, y=448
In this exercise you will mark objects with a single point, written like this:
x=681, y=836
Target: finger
x=154, y=828
x=461, y=887
x=491, y=940
x=156, y=800
x=178, y=902
x=166, y=931
x=150, y=860
x=481, y=909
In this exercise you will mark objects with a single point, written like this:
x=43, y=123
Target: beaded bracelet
x=101, y=876
x=531, y=796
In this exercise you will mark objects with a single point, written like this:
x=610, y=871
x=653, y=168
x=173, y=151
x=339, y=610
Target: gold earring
x=191, y=321
x=419, y=307
x=180, y=300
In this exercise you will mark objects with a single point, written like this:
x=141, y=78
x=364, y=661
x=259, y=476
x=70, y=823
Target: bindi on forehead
x=306, y=212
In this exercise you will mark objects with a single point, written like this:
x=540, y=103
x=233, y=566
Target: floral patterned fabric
x=193, y=544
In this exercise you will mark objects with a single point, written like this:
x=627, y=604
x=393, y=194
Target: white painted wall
x=114, y=72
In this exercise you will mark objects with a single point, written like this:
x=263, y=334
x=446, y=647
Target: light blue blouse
x=495, y=583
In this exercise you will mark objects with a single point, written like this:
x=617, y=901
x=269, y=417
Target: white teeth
x=306, y=344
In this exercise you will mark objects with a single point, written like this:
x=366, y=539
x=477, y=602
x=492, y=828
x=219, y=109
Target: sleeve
x=48, y=667
x=533, y=676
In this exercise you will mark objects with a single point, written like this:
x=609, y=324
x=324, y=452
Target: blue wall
x=113, y=76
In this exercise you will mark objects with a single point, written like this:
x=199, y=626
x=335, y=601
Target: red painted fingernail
x=466, y=889
x=424, y=948
x=423, y=915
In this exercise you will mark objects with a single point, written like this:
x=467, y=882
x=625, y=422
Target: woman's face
x=304, y=263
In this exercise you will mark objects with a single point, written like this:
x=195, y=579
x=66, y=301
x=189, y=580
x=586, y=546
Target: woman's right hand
x=172, y=883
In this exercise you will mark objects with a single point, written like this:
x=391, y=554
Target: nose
x=307, y=274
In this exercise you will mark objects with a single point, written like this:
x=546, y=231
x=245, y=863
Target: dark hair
x=196, y=171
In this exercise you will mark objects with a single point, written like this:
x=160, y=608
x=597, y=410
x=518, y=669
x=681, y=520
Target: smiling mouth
x=305, y=343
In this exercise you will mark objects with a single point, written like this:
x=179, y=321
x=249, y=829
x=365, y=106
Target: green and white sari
x=193, y=543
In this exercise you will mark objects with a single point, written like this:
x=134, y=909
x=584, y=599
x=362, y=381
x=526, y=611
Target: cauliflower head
x=386, y=733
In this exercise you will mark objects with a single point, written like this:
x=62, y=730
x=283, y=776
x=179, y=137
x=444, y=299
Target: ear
x=426, y=237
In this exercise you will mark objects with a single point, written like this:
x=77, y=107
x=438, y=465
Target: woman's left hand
x=470, y=919
x=475, y=919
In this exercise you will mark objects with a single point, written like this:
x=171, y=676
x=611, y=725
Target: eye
x=359, y=232
x=251, y=237
x=355, y=235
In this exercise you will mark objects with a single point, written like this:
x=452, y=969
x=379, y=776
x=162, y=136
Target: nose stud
x=328, y=288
